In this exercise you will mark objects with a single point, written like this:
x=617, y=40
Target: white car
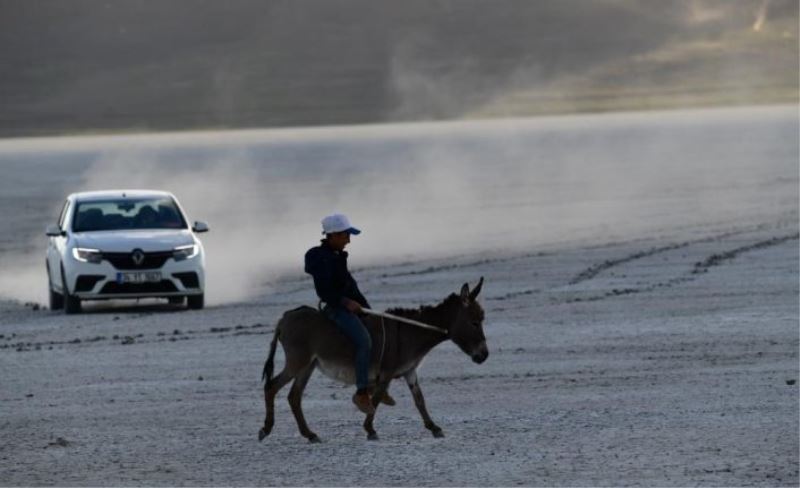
x=124, y=244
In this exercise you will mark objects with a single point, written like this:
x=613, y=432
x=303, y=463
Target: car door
x=56, y=248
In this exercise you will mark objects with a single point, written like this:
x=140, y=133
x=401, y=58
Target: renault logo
x=138, y=257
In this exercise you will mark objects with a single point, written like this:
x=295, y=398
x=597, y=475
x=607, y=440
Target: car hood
x=127, y=241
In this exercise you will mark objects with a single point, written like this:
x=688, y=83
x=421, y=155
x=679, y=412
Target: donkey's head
x=467, y=328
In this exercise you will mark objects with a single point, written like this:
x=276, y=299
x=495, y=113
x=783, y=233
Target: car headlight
x=185, y=252
x=86, y=255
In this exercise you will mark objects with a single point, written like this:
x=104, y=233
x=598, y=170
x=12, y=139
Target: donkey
x=310, y=341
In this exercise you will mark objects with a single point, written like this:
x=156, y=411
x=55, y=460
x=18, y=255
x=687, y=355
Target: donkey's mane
x=423, y=309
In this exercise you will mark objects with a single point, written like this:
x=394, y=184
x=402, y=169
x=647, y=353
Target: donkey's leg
x=275, y=385
x=295, y=399
x=419, y=401
x=377, y=394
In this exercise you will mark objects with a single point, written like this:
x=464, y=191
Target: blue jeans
x=352, y=327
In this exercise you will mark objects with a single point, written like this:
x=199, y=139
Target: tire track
x=699, y=267
x=141, y=338
x=468, y=264
x=717, y=259
x=595, y=270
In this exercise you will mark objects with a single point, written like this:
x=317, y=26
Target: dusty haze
x=422, y=191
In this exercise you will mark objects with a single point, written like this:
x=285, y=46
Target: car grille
x=124, y=260
x=189, y=280
x=162, y=286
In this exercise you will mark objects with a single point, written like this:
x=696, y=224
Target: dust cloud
x=428, y=191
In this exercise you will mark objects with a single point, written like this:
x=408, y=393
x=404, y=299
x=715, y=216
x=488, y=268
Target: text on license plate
x=143, y=277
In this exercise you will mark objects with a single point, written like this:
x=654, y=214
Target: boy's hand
x=352, y=305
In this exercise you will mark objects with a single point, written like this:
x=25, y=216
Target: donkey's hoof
x=262, y=433
x=438, y=433
x=314, y=439
x=372, y=436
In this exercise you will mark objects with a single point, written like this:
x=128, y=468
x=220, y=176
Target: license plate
x=143, y=277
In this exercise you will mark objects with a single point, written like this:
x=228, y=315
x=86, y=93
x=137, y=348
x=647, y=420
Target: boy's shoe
x=387, y=399
x=363, y=401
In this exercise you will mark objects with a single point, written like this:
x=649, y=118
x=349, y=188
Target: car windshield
x=127, y=213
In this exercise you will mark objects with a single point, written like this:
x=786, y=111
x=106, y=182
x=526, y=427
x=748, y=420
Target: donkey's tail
x=266, y=374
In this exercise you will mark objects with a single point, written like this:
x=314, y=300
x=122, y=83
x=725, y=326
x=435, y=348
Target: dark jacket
x=332, y=280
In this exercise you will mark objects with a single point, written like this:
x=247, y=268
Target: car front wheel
x=56, y=299
x=72, y=304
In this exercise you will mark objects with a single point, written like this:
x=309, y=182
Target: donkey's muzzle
x=480, y=354
x=479, y=358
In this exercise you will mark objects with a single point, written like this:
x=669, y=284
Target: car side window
x=63, y=215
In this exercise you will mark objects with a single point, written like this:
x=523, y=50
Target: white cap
x=338, y=223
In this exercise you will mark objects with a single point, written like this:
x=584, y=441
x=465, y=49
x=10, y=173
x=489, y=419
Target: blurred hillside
x=141, y=65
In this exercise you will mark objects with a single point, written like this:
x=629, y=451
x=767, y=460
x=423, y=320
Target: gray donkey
x=310, y=341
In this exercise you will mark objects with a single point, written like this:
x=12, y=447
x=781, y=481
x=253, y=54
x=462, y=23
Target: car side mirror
x=200, y=226
x=53, y=230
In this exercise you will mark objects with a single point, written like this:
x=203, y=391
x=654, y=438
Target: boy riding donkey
x=337, y=288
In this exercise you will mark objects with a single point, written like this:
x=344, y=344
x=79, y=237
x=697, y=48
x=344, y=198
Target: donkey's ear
x=465, y=293
x=476, y=290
